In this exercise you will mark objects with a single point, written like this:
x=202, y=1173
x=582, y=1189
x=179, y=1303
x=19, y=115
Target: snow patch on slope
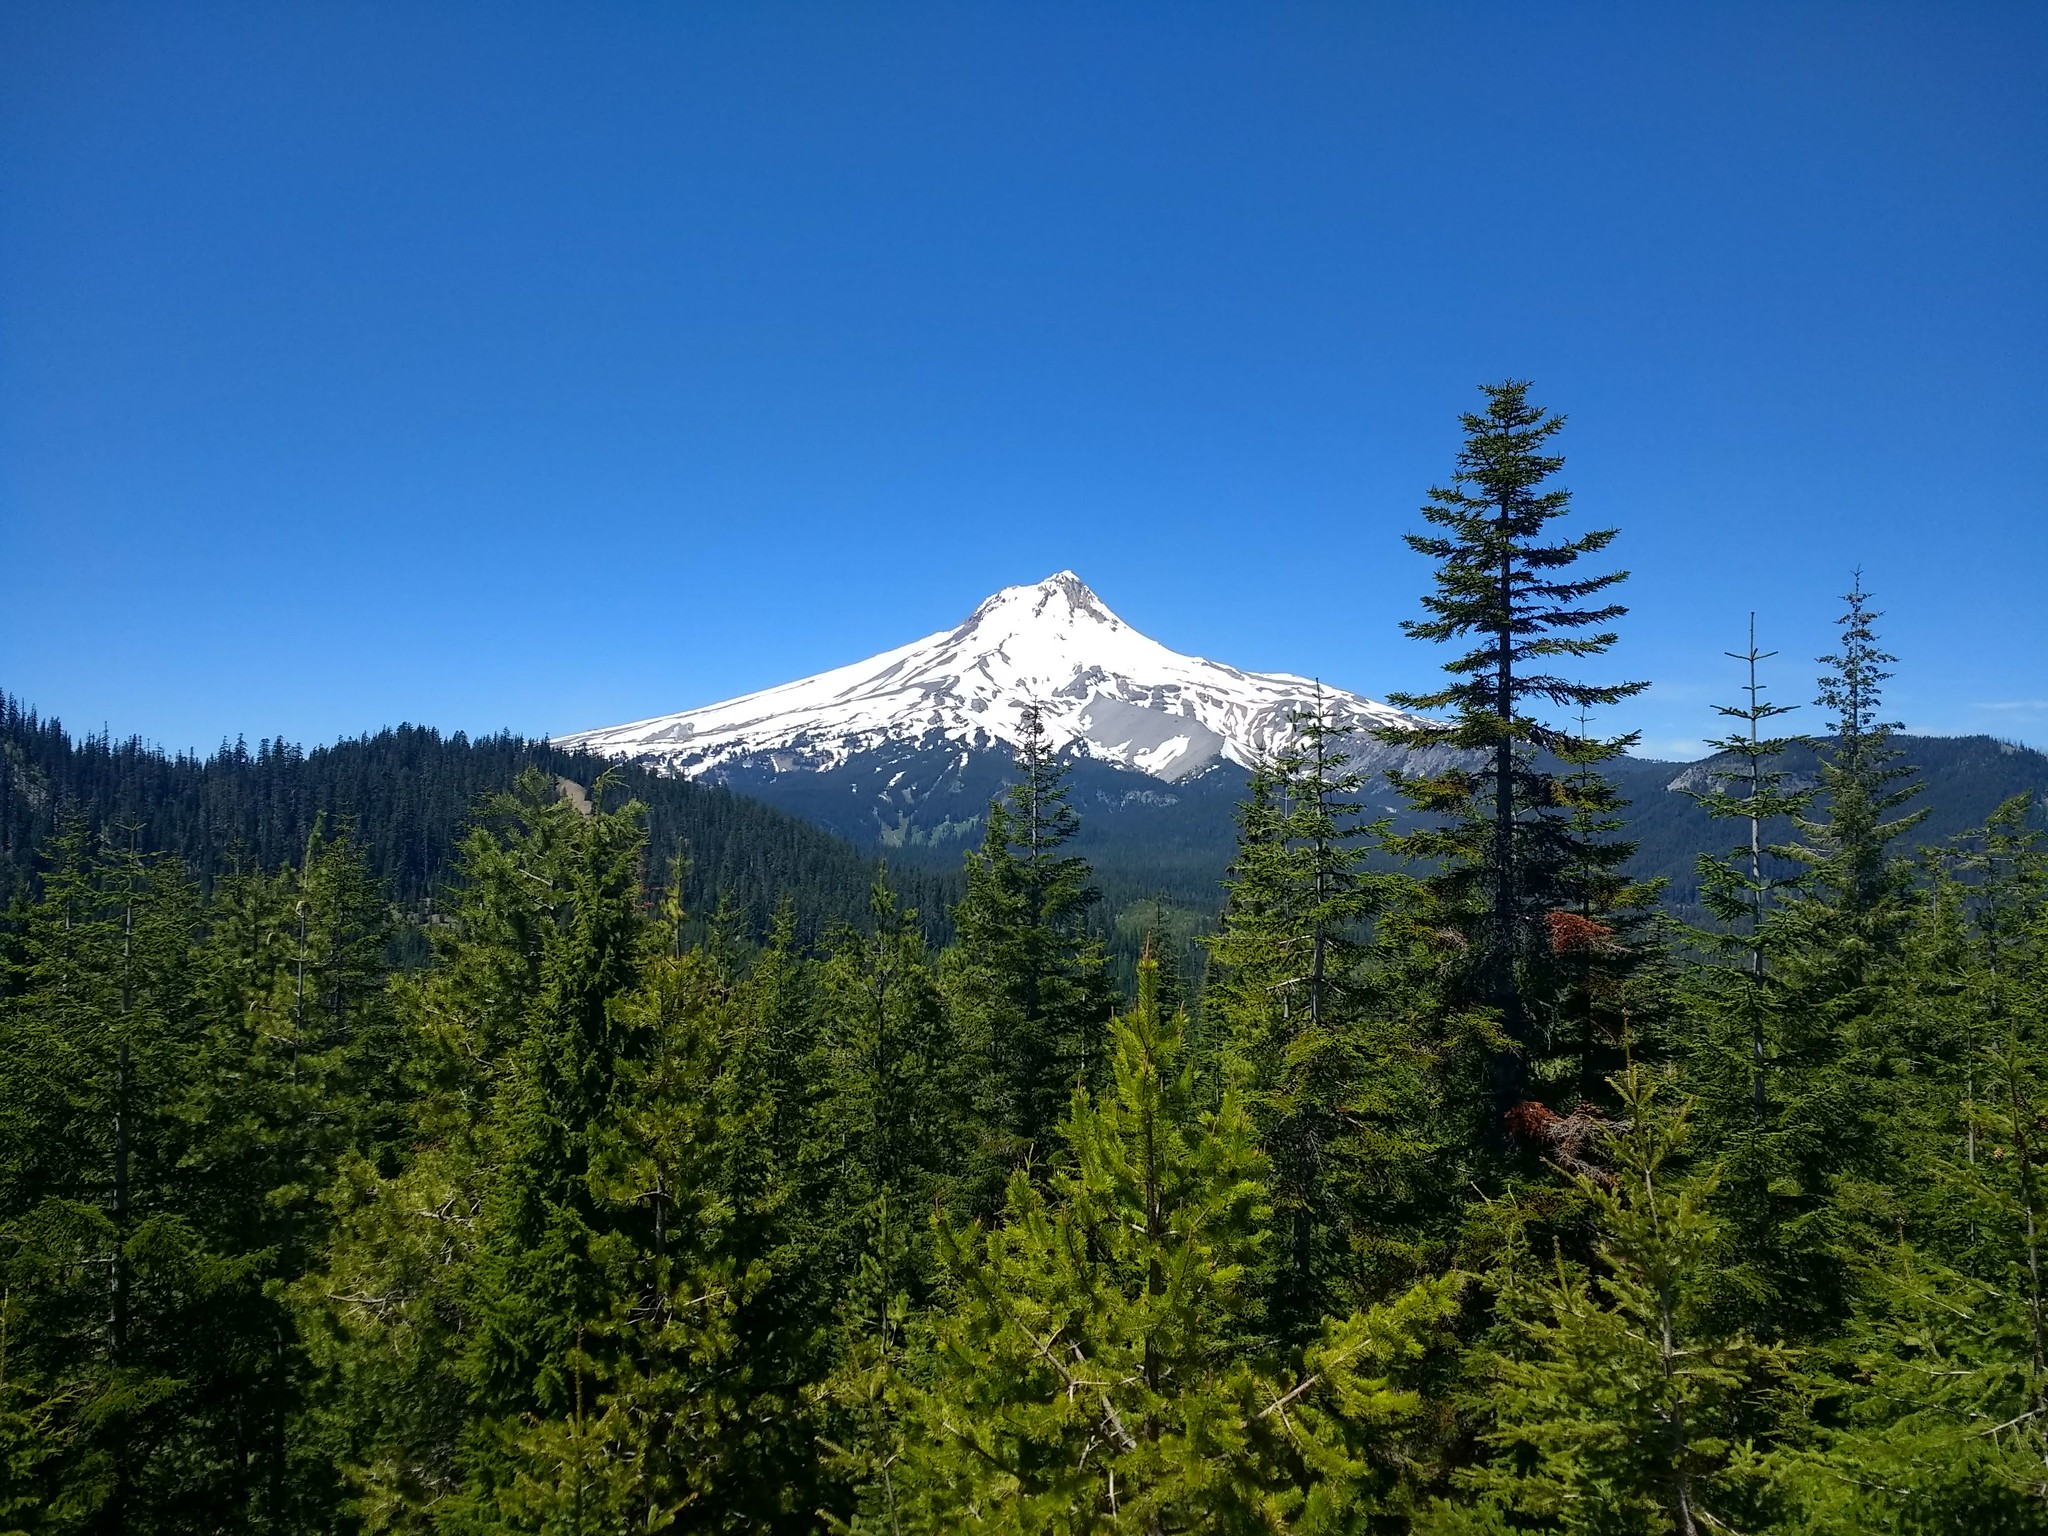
x=1100, y=686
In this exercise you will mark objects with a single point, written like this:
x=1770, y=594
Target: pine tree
x=1028, y=981
x=1603, y=960
x=132, y=1354
x=1613, y=1405
x=692, y=1405
x=891, y=1080
x=1762, y=1066
x=1928, y=1409
x=1860, y=887
x=1839, y=1062
x=1327, y=1088
x=1940, y=1420
x=1742, y=889
x=892, y=1091
x=1094, y=1371
x=2008, y=871
x=298, y=1064
x=458, y=1287
x=1505, y=592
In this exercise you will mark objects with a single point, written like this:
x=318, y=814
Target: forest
x=443, y=1157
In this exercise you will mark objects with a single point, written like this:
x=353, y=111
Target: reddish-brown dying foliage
x=1572, y=934
x=1567, y=1140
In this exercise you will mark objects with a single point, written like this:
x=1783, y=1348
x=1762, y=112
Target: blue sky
x=548, y=366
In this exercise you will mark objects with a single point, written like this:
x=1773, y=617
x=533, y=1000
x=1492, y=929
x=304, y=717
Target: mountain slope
x=902, y=752
x=1101, y=688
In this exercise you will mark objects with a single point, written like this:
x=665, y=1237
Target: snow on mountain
x=1099, y=685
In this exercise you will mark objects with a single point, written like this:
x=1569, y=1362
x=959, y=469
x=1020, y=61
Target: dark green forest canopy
x=593, y=1225
x=406, y=793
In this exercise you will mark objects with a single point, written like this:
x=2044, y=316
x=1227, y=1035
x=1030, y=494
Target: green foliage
x=1742, y=1004
x=1613, y=1404
x=1337, y=1091
x=1097, y=1368
x=407, y=795
x=1509, y=837
x=1027, y=982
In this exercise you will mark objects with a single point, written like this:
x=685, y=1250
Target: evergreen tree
x=1028, y=982
x=1841, y=1077
x=1094, y=1371
x=1743, y=888
x=131, y=1358
x=1940, y=1422
x=1499, y=829
x=1860, y=887
x=460, y=1285
x=1603, y=962
x=892, y=1077
x=891, y=1102
x=1763, y=1066
x=1928, y=1408
x=1861, y=772
x=1614, y=1405
x=1333, y=1095
x=297, y=1065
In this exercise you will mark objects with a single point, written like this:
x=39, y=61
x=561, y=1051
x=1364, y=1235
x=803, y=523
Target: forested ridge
x=1465, y=1190
x=405, y=795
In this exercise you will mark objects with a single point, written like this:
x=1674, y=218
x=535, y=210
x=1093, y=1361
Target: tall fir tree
x=457, y=1296
x=1028, y=982
x=1837, y=1105
x=1769, y=1100
x=133, y=1358
x=1333, y=1096
x=299, y=1062
x=1500, y=831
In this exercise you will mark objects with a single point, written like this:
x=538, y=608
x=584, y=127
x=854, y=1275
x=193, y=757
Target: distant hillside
x=1148, y=838
x=1965, y=778
x=408, y=792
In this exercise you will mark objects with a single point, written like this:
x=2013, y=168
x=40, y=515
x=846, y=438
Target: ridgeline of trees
x=1472, y=1195
x=404, y=796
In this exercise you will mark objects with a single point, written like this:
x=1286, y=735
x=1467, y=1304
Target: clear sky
x=550, y=366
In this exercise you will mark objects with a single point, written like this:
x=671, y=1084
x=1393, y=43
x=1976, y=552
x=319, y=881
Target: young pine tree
x=1773, y=1105
x=1743, y=888
x=1501, y=832
x=1097, y=1368
x=1614, y=1405
x=1861, y=889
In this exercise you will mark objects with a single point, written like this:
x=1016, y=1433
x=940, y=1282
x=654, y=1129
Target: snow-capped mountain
x=1101, y=688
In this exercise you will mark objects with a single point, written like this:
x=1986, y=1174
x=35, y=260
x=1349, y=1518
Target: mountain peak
x=1058, y=599
x=1097, y=685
